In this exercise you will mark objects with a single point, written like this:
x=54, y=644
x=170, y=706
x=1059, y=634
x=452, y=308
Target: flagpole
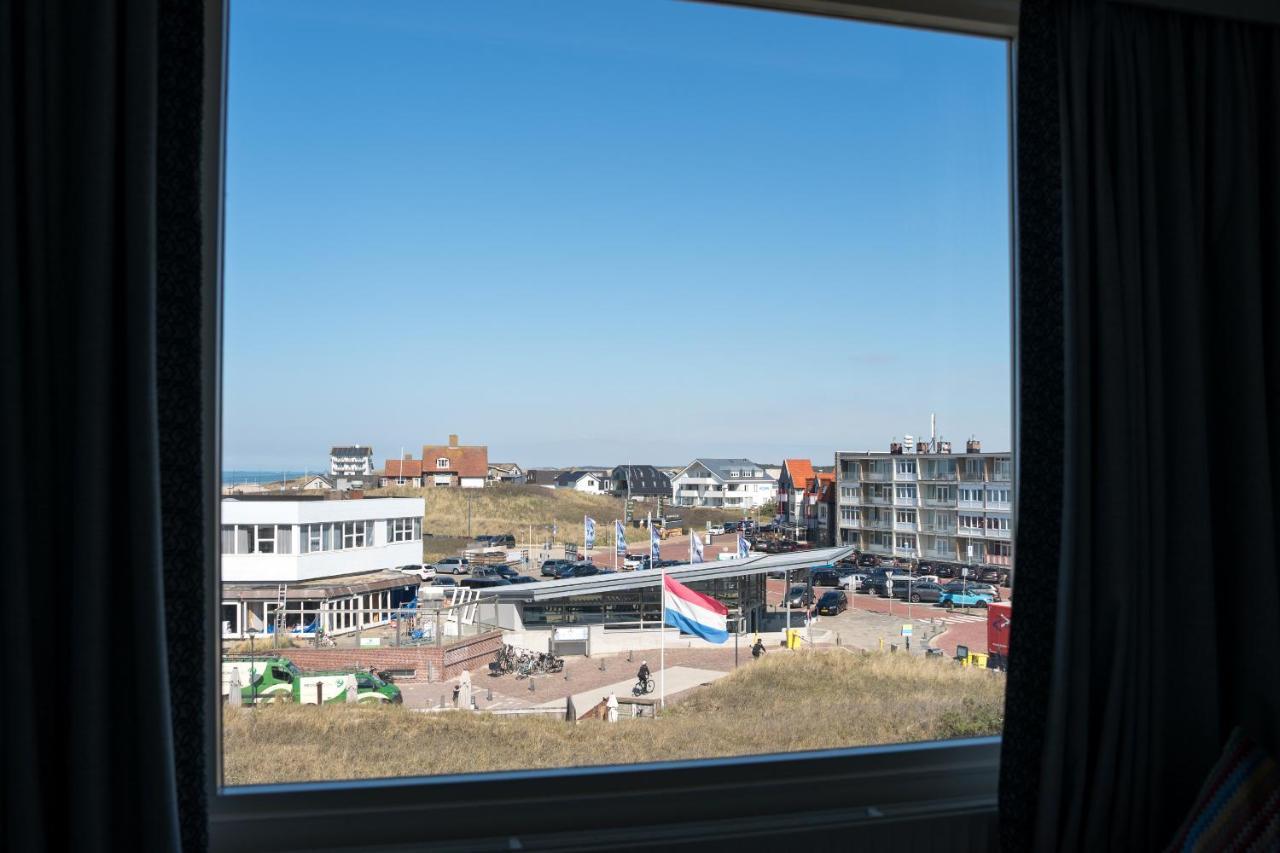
x=615, y=544
x=662, y=647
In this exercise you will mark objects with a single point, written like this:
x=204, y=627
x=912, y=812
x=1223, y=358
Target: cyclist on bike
x=643, y=675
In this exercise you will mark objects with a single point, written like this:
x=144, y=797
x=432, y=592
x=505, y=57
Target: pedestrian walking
x=612, y=706
x=758, y=649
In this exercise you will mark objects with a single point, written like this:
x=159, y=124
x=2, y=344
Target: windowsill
x=834, y=788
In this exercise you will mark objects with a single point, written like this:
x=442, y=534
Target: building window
x=906, y=493
x=442, y=462
x=906, y=466
x=404, y=529
x=906, y=516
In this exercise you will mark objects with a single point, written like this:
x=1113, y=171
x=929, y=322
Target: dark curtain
x=87, y=728
x=1164, y=634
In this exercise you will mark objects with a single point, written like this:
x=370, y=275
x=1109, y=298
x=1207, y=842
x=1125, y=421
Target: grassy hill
x=811, y=700
x=522, y=510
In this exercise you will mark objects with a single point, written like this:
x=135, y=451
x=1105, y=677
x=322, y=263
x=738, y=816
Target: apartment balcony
x=689, y=493
x=905, y=476
x=876, y=524
x=971, y=477
x=904, y=551
x=1000, y=559
x=1000, y=505
x=940, y=529
x=938, y=476
x=877, y=476
x=944, y=503
x=876, y=548
x=940, y=553
x=998, y=534
x=878, y=500
x=969, y=505
x=907, y=502
x=905, y=526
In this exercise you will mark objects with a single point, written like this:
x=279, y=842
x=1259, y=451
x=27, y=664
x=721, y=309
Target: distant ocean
x=236, y=478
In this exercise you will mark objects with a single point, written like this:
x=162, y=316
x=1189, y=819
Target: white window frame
x=442, y=462
x=832, y=789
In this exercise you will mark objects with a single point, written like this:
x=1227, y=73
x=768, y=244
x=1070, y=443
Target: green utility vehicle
x=277, y=679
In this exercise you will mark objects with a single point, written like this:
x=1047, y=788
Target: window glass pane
x=544, y=225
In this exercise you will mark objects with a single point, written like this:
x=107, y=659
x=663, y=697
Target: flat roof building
x=919, y=501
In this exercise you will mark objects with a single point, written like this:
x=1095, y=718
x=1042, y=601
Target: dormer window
x=442, y=462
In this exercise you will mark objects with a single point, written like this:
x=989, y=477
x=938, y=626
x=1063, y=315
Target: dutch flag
x=588, y=531
x=693, y=613
x=695, y=542
x=744, y=550
x=620, y=537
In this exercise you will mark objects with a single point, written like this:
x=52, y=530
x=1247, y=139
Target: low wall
x=448, y=661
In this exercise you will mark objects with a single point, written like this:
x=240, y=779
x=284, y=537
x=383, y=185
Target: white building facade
x=287, y=541
x=723, y=483
x=930, y=506
x=353, y=461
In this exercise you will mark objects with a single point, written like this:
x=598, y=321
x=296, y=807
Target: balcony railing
x=948, y=503
x=901, y=501
x=940, y=553
x=1000, y=559
x=970, y=505
x=943, y=476
x=876, y=476
x=998, y=534
x=876, y=524
x=905, y=476
x=875, y=548
x=904, y=551
x=905, y=526
x=877, y=500
x=944, y=529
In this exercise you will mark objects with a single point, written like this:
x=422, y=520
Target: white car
x=422, y=571
x=716, y=530
x=853, y=582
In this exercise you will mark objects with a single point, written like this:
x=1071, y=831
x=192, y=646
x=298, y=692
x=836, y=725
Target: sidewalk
x=678, y=678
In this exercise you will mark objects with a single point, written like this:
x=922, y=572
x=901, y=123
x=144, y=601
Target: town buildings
x=728, y=483
x=354, y=461
x=506, y=472
x=922, y=502
x=588, y=482
x=321, y=561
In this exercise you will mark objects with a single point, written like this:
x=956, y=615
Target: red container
x=999, y=614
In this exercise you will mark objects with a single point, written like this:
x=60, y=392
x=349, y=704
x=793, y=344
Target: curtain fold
x=1168, y=596
x=86, y=731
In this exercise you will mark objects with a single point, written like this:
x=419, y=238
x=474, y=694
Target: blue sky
x=496, y=219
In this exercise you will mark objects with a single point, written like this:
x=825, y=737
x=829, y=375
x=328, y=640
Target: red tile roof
x=799, y=470
x=465, y=461
x=402, y=468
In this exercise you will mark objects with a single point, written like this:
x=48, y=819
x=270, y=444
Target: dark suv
x=550, y=567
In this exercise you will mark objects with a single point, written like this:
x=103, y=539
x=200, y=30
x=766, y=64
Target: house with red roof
x=792, y=481
x=402, y=472
x=454, y=464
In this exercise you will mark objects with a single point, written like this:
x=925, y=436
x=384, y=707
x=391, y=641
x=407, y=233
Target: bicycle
x=643, y=687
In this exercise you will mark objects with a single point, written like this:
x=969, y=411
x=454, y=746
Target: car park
x=453, y=565
x=832, y=603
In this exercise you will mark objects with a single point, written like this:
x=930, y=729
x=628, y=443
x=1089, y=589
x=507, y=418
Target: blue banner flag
x=654, y=541
x=620, y=537
x=588, y=532
x=695, y=542
x=744, y=550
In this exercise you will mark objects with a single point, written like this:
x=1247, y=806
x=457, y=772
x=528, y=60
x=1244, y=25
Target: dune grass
x=784, y=702
x=525, y=510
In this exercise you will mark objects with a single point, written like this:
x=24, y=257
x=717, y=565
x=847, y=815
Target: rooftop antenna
x=933, y=432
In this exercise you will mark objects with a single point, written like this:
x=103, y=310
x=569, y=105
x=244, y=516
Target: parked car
x=507, y=572
x=825, y=577
x=666, y=564
x=881, y=581
x=582, y=570
x=854, y=581
x=521, y=579
x=484, y=582
x=422, y=571
x=549, y=567
x=798, y=596
x=636, y=561
x=453, y=565
x=870, y=561
x=832, y=603
x=993, y=576
x=963, y=585
x=443, y=580
x=944, y=571
x=486, y=572
x=716, y=529
x=930, y=591
x=952, y=598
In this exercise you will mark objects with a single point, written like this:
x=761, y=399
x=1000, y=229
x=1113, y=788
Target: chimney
x=453, y=440
x=944, y=447
x=922, y=447
x=895, y=447
x=973, y=446
x=408, y=456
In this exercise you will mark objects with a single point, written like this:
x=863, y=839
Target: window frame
x=819, y=791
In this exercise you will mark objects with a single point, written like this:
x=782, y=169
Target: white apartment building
x=920, y=501
x=726, y=483
x=327, y=559
x=353, y=461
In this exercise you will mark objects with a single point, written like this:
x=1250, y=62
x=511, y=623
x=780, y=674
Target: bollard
x=531, y=680
x=489, y=695
x=319, y=693
x=441, y=700
x=882, y=644
x=602, y=664
x=628, y=655
x=893, y=647
x=907, y=640
x=837, y=641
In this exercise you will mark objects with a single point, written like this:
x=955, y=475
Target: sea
x=239, y=477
